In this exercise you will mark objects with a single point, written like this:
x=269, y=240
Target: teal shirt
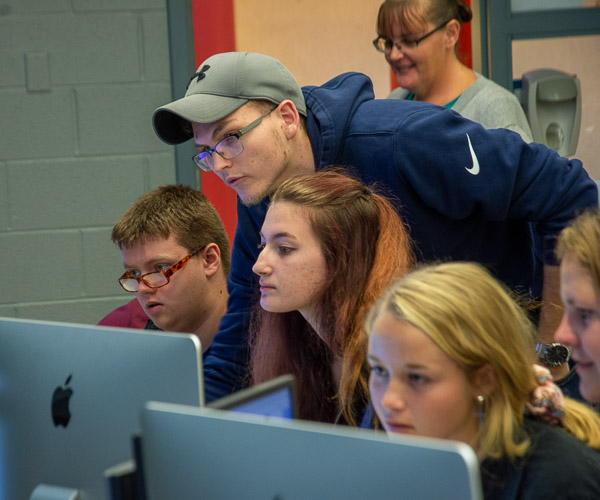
x=448, y=105
x=487, y=103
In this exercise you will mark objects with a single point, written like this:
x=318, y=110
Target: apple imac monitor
x=70, y=400
x=275, y=398
x=206, y=453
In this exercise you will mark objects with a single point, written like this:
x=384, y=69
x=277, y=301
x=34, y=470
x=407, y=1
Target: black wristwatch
x=553, y=355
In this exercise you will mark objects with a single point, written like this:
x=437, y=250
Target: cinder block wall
x=79, y=80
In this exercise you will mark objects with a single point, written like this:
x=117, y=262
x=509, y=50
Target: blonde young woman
x=451, y=356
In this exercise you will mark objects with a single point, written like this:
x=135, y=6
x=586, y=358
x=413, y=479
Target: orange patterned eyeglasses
x=157, y=279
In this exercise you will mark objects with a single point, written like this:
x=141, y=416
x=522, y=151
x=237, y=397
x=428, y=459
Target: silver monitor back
x=111, y=373
x=195, y=453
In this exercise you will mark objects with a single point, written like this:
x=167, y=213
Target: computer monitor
x=275, y=398
x=206, y=453
x=71, y=396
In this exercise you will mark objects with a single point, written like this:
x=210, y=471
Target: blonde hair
x=581, y=239
x=475, y=321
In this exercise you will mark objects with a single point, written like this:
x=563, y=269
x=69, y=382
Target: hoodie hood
x=330, y=109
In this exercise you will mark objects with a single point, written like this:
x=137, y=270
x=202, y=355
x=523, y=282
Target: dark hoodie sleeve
x=226, y=360
x=459, y=168
x=465, y=192
x=437, y=162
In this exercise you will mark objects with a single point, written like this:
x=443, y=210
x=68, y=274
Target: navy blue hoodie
x=466, y=193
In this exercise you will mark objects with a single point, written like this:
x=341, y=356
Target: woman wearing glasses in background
x=330, y=247
x=418, y=38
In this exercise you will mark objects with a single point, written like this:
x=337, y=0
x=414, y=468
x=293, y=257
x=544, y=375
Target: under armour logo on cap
x=234, y=78
x=200, y=74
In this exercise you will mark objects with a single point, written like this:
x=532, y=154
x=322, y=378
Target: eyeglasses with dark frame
x=227, y=148
x=385, y=44
x=157, y=279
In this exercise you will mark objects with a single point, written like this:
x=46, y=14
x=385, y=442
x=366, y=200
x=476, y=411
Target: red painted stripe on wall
x=214, y=32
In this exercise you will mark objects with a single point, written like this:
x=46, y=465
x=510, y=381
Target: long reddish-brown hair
x=366, y=246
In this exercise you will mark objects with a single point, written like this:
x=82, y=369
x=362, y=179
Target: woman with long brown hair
x=330, y=247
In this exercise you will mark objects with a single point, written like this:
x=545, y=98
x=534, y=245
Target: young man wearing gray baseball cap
x=466, y=193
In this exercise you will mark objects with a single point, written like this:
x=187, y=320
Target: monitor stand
x=50, y=492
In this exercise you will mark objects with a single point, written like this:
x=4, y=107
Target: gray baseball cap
x=222, y=84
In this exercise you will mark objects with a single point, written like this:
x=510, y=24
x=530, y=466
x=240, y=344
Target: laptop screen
x=275, y=398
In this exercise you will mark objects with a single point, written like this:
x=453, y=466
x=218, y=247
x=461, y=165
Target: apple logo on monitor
x=60, y=404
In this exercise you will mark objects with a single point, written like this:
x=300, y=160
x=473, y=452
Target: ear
x=211, y=259
x=452, y=33
x=291, y=118
x=485, y=380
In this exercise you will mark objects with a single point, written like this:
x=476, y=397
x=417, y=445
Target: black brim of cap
x=170, y=127
x=169, y=120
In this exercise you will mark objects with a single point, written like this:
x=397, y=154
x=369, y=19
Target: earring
x=480, y=408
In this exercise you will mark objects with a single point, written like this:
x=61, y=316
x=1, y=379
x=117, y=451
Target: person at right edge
x=465, y=193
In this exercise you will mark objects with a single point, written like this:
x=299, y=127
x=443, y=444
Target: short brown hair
x=173, y=210
x=417, y=13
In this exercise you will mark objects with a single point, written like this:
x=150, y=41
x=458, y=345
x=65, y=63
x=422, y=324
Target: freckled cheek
x=260, y=158
x=314, y=278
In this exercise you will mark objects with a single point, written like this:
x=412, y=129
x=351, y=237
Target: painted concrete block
x=4, y=218
x=37, y=71
x=44, y=265
x=13, y=67
x=161, y=169
x=73, y=192
x=156, y=47
x=8, y=311
x=94, y=5
x=85, y=311
x=11, y=7
x=36, y=125
x=103, y=263
x=118, y=118
x=89, y=48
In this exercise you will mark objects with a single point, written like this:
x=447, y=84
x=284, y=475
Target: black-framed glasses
x=228, y=148
x=157, y=279
x=386, y=45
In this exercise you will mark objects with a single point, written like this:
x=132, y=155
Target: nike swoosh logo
x=474, y=170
